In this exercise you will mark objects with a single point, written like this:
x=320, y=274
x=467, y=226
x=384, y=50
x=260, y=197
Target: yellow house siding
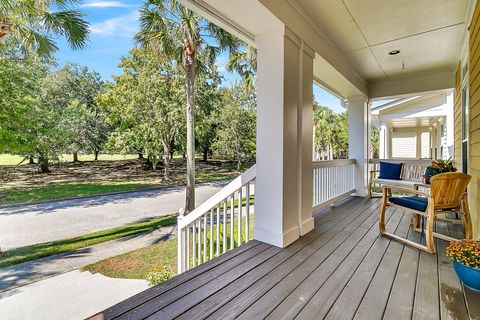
x=457, y=106
x=474, y=134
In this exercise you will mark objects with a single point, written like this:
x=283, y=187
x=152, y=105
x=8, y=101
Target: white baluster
x=205, y=237
x=188, y=246
x=247, y=213
x=225, y=226
x=217, y=238
x=232, y=221
x=240, y=217
x=199, y=243
x=194, y=243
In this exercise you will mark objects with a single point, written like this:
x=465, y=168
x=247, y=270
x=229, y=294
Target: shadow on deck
x=341, y=270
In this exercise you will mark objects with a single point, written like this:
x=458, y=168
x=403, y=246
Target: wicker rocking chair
x=447, y=194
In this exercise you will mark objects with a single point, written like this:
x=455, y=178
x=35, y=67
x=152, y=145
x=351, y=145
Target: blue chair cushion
x=390, y=170
x=415, y=203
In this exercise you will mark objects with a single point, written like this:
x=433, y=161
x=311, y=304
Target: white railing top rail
x=214, y=200
x=332, y=163
x=408, y=161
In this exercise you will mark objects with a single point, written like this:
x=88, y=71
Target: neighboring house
x=418, y=127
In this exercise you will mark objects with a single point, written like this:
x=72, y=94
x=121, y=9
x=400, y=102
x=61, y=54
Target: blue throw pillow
x=390, y=170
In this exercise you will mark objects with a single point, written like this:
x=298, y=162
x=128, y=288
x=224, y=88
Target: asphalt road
x=37, y=223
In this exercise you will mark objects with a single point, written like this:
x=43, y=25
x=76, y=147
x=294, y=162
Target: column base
x=277, y=239
x=307, y=226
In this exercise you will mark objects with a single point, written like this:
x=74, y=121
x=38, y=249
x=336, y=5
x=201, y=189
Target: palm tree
x=31, y=23
x=168, y=28
x=245, y=64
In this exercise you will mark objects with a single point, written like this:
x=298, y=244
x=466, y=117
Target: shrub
x=466, y=252
x=158, y=275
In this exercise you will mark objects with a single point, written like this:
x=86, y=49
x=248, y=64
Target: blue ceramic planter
x=468, y=275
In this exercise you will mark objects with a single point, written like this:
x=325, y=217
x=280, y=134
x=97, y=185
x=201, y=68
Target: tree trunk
x=171, y=155
x=96, y=155
x=75, y=156
x=43, y=164
x=140, y=155
x=190, y=194
x=239, y=163
x=31, y=160
x=205, y=155
x=166, y=161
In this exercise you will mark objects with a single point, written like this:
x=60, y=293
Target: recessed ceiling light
x=394, y=52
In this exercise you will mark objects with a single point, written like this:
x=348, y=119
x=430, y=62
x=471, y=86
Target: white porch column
x=390, y=141
x=305, y=138
x=418, y=150
x=283, y=190
x=359, y=140
x=384, y=141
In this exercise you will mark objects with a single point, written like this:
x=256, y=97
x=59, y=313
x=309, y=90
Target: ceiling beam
x=414, y=84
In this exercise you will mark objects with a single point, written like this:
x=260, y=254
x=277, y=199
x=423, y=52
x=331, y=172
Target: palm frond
x=34, y=43
x=33, y=22
x=226, y=40
x=70, y=24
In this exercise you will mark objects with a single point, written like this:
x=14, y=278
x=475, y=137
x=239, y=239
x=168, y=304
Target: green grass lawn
x=59, y=191
x=13, y=160
x=23, y=254
x=138, y=263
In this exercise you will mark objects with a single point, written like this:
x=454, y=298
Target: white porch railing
x=332, y=180
x=218, y=225
x=223, y=222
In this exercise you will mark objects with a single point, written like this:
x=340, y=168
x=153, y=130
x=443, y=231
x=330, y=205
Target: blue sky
x=113, y=23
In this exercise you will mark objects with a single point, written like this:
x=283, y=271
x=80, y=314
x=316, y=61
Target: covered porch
x=418, y=127
x=331, y=264
x=342, y=269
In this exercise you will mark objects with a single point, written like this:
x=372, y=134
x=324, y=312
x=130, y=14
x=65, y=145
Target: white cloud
x=104, y=4
x=124, y=26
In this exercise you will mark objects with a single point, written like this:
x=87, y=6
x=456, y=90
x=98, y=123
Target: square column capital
x=356, y=100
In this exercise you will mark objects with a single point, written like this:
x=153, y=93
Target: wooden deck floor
x=341, y=270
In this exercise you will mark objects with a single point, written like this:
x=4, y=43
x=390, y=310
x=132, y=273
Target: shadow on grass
x=23, y=254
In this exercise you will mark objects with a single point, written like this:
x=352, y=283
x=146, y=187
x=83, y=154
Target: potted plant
x=465, y=255
x=437, y=167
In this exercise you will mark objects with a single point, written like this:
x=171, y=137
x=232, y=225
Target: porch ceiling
x=415, y=122
x=428, y=33
x=421, y=110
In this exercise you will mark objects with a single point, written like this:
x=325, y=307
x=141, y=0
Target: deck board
x=341, y=270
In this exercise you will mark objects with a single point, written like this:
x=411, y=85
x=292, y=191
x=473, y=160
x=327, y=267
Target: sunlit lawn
x=59, y=191
x=62, y=190
x=23, y=254
x=138, y=263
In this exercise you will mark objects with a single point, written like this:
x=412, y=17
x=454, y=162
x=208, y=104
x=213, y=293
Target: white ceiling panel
x=428, y=34
x=382, y=20
x=433, y=50
x=366, y=63
x=333, y=17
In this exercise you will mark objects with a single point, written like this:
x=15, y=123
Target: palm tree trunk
x=190, y=196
